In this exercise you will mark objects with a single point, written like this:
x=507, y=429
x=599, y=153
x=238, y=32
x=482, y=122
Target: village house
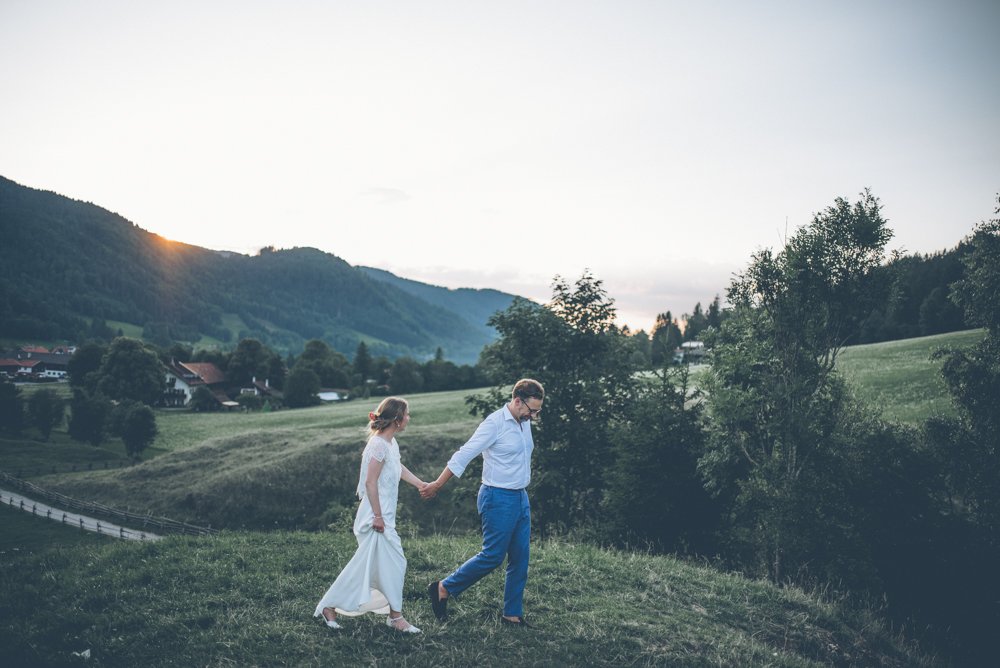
x=690, y=352
x=183, y=378
x=260, y=389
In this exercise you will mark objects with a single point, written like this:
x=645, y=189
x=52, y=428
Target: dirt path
x=103, y=527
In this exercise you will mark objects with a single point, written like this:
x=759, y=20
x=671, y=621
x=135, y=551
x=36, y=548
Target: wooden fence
x=72, y=519
x=158, y=524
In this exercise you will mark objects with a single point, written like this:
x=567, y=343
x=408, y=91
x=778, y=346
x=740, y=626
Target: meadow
x=899, y=377
x=246, y=598
x=281, y=485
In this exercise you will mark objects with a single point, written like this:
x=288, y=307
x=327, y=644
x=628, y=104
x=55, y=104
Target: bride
x=372, y=581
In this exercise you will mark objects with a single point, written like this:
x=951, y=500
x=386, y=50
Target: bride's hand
x=378, y=524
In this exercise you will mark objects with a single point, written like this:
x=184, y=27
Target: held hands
x=429, y=490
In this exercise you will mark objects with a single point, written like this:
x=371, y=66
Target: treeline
x=776, y=470
x=115, y=385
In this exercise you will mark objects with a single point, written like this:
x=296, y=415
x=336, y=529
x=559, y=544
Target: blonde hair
x=392, y=409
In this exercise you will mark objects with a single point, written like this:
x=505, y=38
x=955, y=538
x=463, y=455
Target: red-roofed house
x=183, y=378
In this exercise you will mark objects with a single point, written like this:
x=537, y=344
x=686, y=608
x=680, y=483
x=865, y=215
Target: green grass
x=182, y=429
x=247, y=599
x=128, y=329
x=900, y=378
x=287, y=469
x=22, y=533
x=31, y=457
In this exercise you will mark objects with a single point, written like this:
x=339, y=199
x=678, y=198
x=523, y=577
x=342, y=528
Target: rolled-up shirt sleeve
x=484, y=437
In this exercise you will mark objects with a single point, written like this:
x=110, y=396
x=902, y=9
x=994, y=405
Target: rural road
x=103, y=527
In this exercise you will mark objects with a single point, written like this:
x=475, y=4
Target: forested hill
x=476, y=306
x=67, y=262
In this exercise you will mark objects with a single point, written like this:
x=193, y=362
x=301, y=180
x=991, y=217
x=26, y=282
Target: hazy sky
x=498, y=144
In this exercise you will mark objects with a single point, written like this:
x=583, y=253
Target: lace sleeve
x=378, y=449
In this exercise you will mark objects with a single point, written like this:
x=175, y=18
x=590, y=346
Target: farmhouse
x=183, y=378
x=47, y=365
x=260, y=389
x=690, y=352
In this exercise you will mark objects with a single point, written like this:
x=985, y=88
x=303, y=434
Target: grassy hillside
x=287, y=469
x=298, y=469
x=247, y=599
x=900, y=378
x=246, y=596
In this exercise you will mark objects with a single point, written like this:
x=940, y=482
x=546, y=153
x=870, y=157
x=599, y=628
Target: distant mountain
x=66, y=264
x=475, y=306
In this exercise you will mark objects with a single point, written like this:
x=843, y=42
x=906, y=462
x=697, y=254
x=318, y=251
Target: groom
x=504, y=440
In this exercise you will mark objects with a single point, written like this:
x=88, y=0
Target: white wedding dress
x=372, y=581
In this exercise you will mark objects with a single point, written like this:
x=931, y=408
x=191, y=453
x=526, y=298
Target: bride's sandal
x=332, y=623
x=394, y=623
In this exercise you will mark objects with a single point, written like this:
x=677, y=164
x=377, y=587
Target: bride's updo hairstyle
x=392, y=409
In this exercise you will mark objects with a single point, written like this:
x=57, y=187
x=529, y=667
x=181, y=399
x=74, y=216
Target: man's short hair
x=526, y=388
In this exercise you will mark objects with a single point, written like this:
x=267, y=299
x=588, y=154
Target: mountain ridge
x=70, y=262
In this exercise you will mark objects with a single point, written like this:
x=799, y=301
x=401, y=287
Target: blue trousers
x=506, y=520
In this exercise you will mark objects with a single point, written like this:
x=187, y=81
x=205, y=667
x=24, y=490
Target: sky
x=656, y=145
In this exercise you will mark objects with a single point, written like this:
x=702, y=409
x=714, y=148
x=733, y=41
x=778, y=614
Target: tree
x=695, y=323
x=775, y=401
x=11, y=408
x=253, y=359
x=714, y=316
x=971, y=444
x=88, y=417
x=130, y=370
x=405, y=376
x=138, y=429
x=331, y=367
x=301, y=387
x=573, y=348
x=46, y=410
x=84, y=365
x=654, y=492
x=202, y=401
x=665, y=339
x=362, y=363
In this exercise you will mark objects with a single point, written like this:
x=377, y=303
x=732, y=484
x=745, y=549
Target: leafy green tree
x=573, y=348
x=253, y=359
x=202, y=401
x=775, y=401
x=138, y=429
x=642, y=350
x=654, y=492
x=971, y=444
x=331, y=367
x=89, y=416
x=11, y=408
x=695, y=323
x=46, y=411
x=130, y=370
x=301, y=387
x=439, y=374
x=405, y=376
x=84, y=365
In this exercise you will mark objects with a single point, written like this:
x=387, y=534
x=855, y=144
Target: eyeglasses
x=531, y=411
